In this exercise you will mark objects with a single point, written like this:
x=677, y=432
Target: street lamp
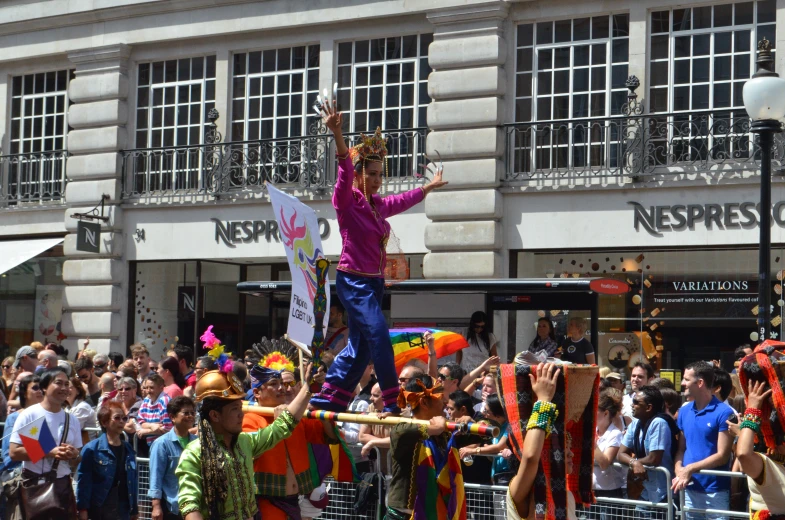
x=764, y=100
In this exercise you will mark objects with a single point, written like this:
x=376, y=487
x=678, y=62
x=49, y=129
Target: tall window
x=701, y=56
x=173, y=98
x=172, y=101
x=39, y=108
x=272, y=92
x=571, y=68
x=384, y=82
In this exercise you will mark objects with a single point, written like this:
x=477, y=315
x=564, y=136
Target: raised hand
x=544, y=382
x=437, y=181
x=333, y=119
x=756, y=395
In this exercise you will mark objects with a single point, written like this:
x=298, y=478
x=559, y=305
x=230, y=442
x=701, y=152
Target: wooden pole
x=471, y=428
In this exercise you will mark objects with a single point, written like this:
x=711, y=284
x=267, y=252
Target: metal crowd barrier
x=610, y=508
x=340, y=507
x=734, y=514
x=483, y=502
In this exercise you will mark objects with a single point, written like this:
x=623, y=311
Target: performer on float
x=362, y=219
x=764, y=418
x=520, y=495
x=427, y=482
x=284, y=471
x=216, y=471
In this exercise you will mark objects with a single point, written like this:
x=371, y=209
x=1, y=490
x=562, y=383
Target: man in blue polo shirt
x=705, y=443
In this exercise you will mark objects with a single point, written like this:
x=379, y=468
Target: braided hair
x=214, y=478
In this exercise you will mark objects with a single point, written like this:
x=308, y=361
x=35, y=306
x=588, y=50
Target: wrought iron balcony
x=29, y=179
x=219, y=169
x=634, y=148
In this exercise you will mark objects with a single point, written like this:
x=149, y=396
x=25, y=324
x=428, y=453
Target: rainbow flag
x=409, y=344
x=439, y=484
x=37, y=439
x=332, y=459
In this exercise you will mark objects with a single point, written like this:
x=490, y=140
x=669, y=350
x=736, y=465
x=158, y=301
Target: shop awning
x=15, y=252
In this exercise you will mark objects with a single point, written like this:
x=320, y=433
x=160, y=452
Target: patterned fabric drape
x=551, y=484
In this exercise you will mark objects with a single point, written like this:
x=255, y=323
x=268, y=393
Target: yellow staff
x=469, y=427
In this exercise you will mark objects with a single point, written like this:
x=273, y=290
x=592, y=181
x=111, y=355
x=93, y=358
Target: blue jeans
x=698, y=499
x=369, y=338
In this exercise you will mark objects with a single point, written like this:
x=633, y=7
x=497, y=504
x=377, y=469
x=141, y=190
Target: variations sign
x=299, y=231
x=703, y=298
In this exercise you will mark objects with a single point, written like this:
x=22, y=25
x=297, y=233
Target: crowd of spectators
x=139, y=407
x=117, y=409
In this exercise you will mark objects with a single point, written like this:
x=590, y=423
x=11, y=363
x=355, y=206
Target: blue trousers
x=369, y=338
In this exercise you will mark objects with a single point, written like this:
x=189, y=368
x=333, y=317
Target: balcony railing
x=638, y=148
x=219, y=169
x=28, y=179
x=635, y=148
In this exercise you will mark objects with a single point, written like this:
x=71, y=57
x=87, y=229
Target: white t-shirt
x=55, y=422
x=87, y=418
x=476, y=354
x=626, y=405
x=610, y=478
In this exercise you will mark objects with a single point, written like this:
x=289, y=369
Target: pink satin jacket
x=364, y=228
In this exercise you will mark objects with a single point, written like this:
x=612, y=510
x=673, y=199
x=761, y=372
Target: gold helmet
x=218, y=384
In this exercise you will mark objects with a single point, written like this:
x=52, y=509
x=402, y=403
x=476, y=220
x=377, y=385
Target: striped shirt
x=155, y=413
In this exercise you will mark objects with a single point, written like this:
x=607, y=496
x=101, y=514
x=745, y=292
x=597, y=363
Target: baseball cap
x=319, y=496
x=27, y=350
x=614, y=375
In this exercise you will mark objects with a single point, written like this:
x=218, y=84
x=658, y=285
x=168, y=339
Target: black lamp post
x=764, y=100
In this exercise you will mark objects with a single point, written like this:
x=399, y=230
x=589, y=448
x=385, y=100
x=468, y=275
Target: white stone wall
x=96, y=296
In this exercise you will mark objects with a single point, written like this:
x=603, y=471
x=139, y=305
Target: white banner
x=299, y=230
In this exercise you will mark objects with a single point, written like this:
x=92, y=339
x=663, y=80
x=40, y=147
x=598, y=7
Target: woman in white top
x=608, y=480
x=482, y=343
x=81, y=409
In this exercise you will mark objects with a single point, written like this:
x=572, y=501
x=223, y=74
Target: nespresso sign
x=234, y=232
x=731, y=215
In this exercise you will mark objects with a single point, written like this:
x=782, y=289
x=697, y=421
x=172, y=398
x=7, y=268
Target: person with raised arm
x=216, y=474
x=362, y=218
x=520, y=496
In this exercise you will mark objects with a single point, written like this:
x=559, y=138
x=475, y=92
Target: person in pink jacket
x=362, y=219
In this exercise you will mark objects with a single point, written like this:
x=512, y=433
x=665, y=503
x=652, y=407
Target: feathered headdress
x=373, y=148
x=216, y=350
x=275, y=357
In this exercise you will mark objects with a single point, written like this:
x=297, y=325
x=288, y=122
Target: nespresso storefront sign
x=234, y=232
x=731, y=215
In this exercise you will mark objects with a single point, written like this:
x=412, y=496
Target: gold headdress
x=370, y=148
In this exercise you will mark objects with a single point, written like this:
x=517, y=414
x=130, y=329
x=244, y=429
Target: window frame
x=307, y=116
x=672, y=35
x=534, y=71
x=150, y=106
x=419, y=83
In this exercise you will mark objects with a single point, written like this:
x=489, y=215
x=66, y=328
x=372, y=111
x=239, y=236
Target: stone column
x=95, y=297
x=467, y=87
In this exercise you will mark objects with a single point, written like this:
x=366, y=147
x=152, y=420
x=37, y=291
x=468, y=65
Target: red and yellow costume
x=270, y=469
